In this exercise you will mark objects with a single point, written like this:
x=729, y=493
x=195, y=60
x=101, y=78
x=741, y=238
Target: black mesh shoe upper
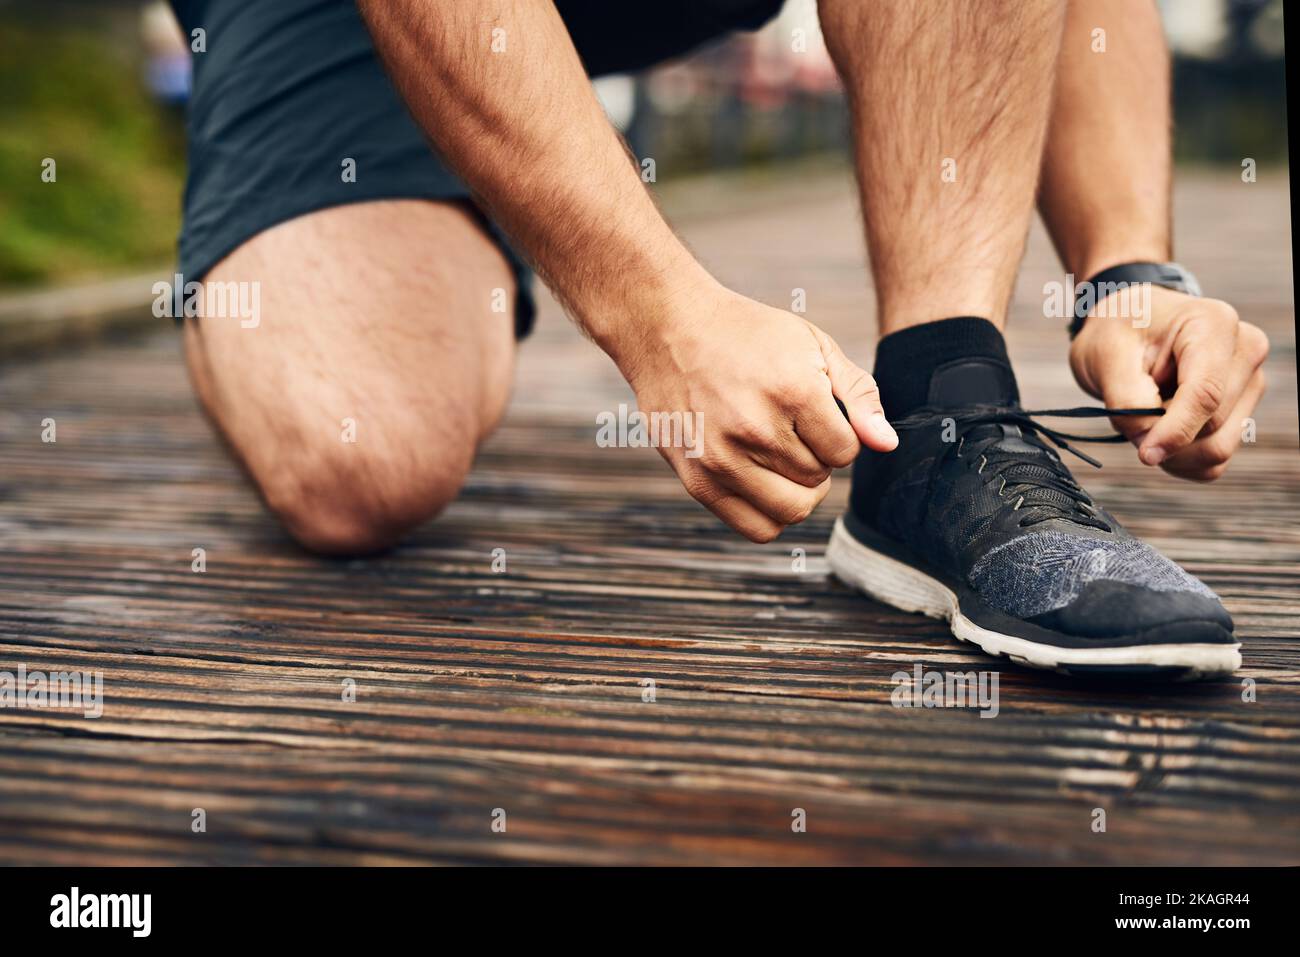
x=977, y=489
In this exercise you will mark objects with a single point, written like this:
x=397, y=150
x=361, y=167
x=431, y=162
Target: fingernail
x=1153, y=456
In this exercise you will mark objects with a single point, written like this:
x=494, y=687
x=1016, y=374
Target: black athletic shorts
x=288, y=89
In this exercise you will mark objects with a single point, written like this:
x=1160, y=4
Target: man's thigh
x=382, y=356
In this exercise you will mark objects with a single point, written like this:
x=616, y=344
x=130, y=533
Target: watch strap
x=1168, y=275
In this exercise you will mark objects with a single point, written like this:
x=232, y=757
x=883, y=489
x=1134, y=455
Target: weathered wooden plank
x=523, y=690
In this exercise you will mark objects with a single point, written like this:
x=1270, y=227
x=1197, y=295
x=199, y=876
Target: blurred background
x=102, y=84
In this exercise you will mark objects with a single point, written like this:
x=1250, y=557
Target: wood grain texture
x=523, y=690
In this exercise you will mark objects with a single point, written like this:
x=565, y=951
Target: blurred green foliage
x=75, y=94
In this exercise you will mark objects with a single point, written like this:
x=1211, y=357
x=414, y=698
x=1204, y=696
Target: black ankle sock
x=906, y=359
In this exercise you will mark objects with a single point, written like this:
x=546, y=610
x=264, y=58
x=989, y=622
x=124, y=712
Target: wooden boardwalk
x=522, y=692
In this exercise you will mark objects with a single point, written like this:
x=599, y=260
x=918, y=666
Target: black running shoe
x=976, y=519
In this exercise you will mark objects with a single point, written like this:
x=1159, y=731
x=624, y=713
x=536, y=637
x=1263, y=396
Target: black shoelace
x=1042, y=486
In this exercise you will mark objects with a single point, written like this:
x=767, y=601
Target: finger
x=1126, y=384
x=1252, y=350
x=745, y=519
x=776, y=448
x=1207, y=458
x=854, y=387
x=781, y=500
x=824, y=430
x=796, y=461
x=1203, y=348
x=732, y=509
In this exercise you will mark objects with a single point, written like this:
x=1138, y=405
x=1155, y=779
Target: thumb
x=859, y=395
x=1128, y=385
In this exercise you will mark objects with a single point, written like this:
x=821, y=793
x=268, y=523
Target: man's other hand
x=1192, y=356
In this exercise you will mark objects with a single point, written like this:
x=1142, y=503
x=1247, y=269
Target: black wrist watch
x=1088, y=294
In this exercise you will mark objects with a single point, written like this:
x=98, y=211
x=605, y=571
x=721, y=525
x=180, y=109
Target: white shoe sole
x=899, y=585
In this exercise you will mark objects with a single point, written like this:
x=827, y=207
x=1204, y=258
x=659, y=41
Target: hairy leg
x=950, y=102
x=1105, y=186
x=379, y=313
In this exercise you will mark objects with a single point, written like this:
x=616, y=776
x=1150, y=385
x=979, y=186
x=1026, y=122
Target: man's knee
x=352, y=500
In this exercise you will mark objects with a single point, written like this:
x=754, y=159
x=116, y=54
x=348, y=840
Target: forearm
x=1104, y=192
x=521, y=125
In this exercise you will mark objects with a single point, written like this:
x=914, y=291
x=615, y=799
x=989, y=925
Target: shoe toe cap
x=1110, y=609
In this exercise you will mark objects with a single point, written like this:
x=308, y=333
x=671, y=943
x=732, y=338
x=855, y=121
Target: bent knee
x=346, y=501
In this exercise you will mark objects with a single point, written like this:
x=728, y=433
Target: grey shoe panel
x=1039, y=573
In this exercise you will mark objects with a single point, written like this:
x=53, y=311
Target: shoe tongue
x=979, y=381
x=972, y=381
x=986, y=381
